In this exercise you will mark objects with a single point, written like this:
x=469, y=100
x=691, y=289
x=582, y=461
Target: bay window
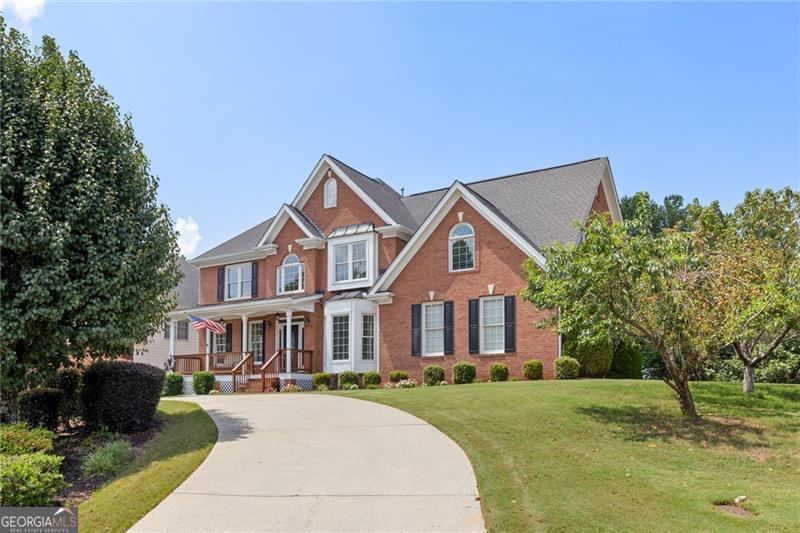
x=350, y=261
x=368, y=337
x=341, y=338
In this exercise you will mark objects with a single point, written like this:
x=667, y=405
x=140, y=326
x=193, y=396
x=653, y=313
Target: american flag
x=200, y=323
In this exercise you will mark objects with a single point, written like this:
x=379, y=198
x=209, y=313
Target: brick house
x=352, y=275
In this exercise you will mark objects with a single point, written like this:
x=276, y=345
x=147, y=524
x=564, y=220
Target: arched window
x=462, y=248
x=330, y=193
x=290, y=275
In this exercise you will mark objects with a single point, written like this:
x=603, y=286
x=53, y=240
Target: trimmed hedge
x=498, y=372
x=464, y=372
x=432, y=375
x=40, y=406
x=120, y=395
x=595, y=360
x=68, y=381
x=321, y=378
x=30, y=480
x=173, y=384
x=346, y=379
x=203, y=382
x=567, y=367
x=533, y=369
x=371, y=378
x=396, y=376
x=17, y=439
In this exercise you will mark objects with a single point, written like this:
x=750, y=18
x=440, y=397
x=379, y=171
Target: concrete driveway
x=314, y=462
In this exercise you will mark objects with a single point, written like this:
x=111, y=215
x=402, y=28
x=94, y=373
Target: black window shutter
x=416, y=329
x=473, y=326
x=254, y=283
x=511, y=328
x=228, y=337
x=448, y=327
x=220, y=284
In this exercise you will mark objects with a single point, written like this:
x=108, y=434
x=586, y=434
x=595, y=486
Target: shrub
x=40, y=406
x=203, y=382
x=533, y=369
x=18, y=439
x=463, y=372
x=373, y=386
x=594, y=360
x=173, y=384
x=321, y=379
x=371, y=378
x=567, y=367
x=108, y=459
x=30, y=480
x=68, y=381
x=498, y=372
x=406, y=384
x=396, y=376
x=432, y=375
x=291, y=387
x=120, y=395
x=98, y=438
x=346, y=379
x=626, y=362
x=322, y=387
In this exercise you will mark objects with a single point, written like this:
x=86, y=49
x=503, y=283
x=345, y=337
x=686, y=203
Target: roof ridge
x=376, y=180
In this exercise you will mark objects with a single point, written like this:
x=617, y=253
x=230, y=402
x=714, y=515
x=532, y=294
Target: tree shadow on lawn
x=642, y=424
x=768, y=399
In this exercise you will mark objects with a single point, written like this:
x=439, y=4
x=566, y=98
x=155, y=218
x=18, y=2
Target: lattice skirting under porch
x=302, y=380
x=224, y=383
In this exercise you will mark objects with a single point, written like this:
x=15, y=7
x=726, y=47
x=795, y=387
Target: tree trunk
x=685, y=399
x=749, y=380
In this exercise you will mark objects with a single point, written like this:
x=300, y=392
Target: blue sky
x=235, y=102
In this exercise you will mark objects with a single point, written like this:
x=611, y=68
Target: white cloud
x=24, y=10
x=188, y=235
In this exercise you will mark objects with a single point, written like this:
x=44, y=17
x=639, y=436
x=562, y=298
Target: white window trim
x=239, y=267
x=279, y=278
x=480, y=324
x=349, y=337
x=372, y=261
x=373, y=336
x=450, y=240
x=328, y=199
x=425, y=352
x=250, y=337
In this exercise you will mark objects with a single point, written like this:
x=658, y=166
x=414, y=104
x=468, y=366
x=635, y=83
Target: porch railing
x=219, y=363
x=189, y=364
x=301, y=360
x=241, y=372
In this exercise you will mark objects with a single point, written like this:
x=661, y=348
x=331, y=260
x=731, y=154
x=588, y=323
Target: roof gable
x=285, y=213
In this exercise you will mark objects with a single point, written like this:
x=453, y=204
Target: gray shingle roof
x=307, y=222
x=189, y=286
x=541, y=204
x=247, y=240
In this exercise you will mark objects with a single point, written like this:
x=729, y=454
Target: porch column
x=208, y=349
x=244, y=334
x=288, y=338
x=171, y=341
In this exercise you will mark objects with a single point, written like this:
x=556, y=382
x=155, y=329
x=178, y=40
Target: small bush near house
x=291, y=387
x=173, y=384
x=322, y=388
x=68, y=381
x=203, y=382
x=108, y=459
x=373, y=386
x=30, y=480
x=567, y=367
x=17, y=439
x=396, y=376
x=40, y=406
x=594, y=360
x=498, y=372
x=98, y=438
x=120, y=395
x=346, y=379
x=321, y=379
x=533, y=369
x=371, y=378
x=406, y=384
x=626, y=362
x=463, y=372
x=432, y=375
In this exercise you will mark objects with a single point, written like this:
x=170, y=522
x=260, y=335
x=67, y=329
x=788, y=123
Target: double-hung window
x=462, y=248
x=257, y=341
x=433, y=328
x=220, y=342
x=181, y=330
x=350, y=261
x=368, y=337
x=239, y=279
x=492, y=320
x=341, y=338
x=291, y=275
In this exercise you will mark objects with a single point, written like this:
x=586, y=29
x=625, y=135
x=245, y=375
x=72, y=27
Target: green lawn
x=608, y=455
x=186, y=438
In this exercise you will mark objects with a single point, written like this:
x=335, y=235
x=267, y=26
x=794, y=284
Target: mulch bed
x=69, y=444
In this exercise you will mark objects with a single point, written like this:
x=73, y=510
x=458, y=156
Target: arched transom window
x=330, y=193
x=290, y=275
x=462, y=247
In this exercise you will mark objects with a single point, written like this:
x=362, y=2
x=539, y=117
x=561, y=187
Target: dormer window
x=352, y=261
x=462, y=248
x=330, y=193
x=291, y=275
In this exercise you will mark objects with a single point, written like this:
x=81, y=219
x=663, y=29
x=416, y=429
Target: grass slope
x=186, y=438
x=607, y=455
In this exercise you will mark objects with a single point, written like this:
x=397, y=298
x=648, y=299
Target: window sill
x=237, y=299
x=284, y=293
x=433, y=355
x=490, y=354
x=461, y=271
